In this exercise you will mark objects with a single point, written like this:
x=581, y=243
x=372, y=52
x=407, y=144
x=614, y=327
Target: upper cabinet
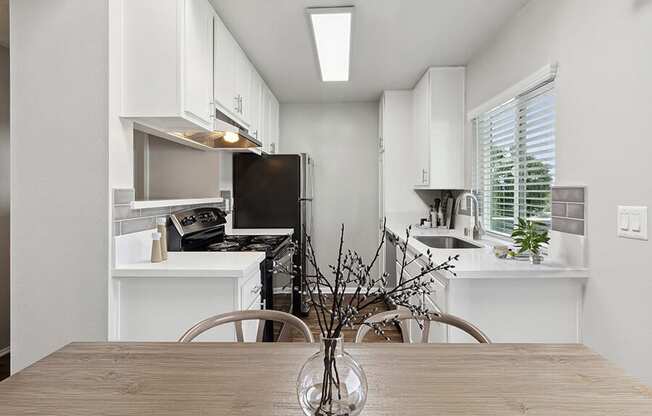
x=181, y=64
x=224, y=84
x=255, y=104
x=198, y=59
x=273, y=124
x=233, y=72
x=167, y=63
x=268, y=120
x=438, y=107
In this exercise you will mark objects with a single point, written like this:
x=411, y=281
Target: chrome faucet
x=478, y=231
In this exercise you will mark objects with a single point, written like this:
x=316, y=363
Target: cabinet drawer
x=250, y=292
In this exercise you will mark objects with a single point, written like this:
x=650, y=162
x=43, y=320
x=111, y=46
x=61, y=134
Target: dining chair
x=237, y=317
x=405, y=315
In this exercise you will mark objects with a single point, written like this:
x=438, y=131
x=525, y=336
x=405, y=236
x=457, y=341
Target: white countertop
x=195, y=264
x=481, y=263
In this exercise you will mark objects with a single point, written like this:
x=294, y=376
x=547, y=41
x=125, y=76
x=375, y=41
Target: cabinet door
x=198, y=61
x=255, y=104
x=421, y=114
x=447, y=127
x=437, y=332
x=274, y=123
x=266, y=118
x=243, y=84
x=224, y=91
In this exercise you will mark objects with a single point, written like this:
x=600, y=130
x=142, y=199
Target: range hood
x=226, y=134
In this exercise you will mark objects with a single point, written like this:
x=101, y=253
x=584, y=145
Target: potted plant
x=331, y=382
x=529, y=236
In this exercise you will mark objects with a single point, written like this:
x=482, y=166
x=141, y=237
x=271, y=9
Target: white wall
x=342, y=138
x=178, y=171
x=4, y=198
x=59, y=182
x=604, y=121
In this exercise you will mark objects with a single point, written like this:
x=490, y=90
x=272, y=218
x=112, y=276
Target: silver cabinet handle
x=240, y=100
x=211, y=110
x=424, y=173
x=236, y=101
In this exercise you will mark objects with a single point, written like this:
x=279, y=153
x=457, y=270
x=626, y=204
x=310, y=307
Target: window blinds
x=515, y=159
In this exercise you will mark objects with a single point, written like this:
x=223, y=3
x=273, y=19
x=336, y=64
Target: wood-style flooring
x=4, y=367
x=394, y=333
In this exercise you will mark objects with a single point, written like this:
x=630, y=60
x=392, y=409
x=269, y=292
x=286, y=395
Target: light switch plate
x=632, y=222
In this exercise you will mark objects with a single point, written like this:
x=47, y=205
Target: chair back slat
x=425, y=334
x=289, y=321
x=284, y=336
x=405, y=315
x=238, y=331
x=261, y=331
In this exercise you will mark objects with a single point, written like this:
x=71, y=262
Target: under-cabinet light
x=231, y=137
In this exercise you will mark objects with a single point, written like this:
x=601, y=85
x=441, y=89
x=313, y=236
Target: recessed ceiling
x=393, y=42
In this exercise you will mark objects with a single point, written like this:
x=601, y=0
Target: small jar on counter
x=156, y=248
x=161, y=227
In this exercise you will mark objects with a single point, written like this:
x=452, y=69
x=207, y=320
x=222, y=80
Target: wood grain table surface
x=259, y=379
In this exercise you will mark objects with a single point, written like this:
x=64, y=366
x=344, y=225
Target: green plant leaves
x=529, y=236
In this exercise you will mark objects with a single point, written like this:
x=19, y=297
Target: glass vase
x=331, y=382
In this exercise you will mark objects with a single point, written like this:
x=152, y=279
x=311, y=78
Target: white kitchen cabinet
x=198, y=59
x=181, y=63
x=438, y=123
x=243, y=84
x=517, y=309
x=163, y=308
x=255, y=104
x=269, y=121
x=232, y=79
x=420, y=107
x=434, y=302
x=167, y=63
x=274, y=125
x=159, y=302
x=263, y=114
x=224, y=84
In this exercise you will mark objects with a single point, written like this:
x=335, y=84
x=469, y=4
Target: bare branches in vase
x=327, y=393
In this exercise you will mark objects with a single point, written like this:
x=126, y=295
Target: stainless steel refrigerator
x=276, y=191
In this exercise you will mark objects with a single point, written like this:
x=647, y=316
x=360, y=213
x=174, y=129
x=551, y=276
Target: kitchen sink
x=441, y=241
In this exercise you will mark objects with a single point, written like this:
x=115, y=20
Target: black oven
x=202, y=229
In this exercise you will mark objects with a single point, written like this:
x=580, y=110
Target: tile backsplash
x=127, y=220
x=569, y=209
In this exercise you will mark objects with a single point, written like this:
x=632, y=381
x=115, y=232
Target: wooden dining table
x=129, y=379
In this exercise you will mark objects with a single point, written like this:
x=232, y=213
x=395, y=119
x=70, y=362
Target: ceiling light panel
x=331, y=29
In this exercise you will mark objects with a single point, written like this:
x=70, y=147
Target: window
x=515, y=159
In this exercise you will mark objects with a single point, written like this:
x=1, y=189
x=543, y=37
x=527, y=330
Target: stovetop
x=267, y=243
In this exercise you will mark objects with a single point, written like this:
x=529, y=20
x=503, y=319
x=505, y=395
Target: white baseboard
x=4, y=351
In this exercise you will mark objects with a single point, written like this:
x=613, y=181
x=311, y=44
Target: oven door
x=278, y=295
x=282, y=281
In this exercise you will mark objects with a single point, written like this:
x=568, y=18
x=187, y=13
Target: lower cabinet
x=164, y=308
x=434, y=302
x=513, y=310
